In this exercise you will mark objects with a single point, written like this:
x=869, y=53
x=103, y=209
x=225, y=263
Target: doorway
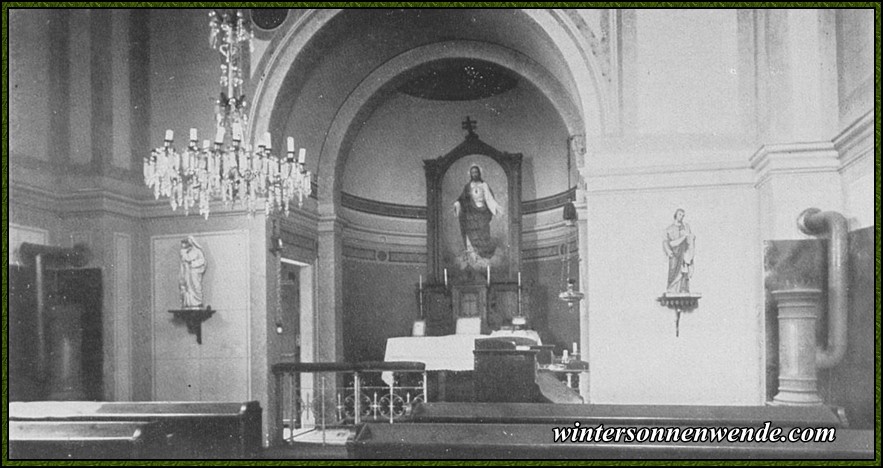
x=296, y=329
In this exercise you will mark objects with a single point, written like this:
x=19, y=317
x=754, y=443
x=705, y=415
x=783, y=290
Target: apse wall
x=385, y=252
x=385, y=162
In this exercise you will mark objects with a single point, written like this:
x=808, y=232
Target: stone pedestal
x=798, y=316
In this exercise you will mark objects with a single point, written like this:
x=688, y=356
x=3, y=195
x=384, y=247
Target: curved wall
x=387, y=156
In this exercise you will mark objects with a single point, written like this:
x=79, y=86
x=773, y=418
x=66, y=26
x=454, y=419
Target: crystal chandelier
x=228, y=170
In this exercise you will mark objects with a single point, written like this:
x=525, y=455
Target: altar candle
x=446, y=277
x=519, y=279
x=420, y=283
x=205, y=144
x=219, y=136
x=575, y=348
x=302, y=156
x=268, y=140
x=488, y=275
x=170, y=135
x=237, y=132
x=564, y=356
x=291, y=144
x=193, y=135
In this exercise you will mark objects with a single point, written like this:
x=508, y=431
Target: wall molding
x=655, y=178
x=394, y=210
x=390, y=210
x=794, y=158
x=552, y=202
x=856, y=141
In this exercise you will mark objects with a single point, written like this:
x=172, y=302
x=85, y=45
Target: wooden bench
x=535, y=441
x=193, y=429
x=66, y=440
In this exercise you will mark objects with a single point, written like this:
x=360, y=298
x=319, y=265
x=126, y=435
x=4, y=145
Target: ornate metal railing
x=340, y=394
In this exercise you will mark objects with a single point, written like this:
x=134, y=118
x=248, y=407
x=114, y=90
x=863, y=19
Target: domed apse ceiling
x=421, y=118
x=459, y=80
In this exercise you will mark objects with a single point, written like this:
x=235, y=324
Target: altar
x=449, y=352
x=443, y=353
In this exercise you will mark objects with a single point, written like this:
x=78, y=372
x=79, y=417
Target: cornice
x=655, y=178
x=794, y=158
x=856, y=141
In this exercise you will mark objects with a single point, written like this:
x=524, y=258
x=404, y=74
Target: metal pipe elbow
x=816, y=222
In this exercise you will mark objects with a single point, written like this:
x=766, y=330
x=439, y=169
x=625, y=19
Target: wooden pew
x=535, y=441
x=223, y=430
x=66, y=440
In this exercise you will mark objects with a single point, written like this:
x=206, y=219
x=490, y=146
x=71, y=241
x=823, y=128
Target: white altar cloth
x=449, y=352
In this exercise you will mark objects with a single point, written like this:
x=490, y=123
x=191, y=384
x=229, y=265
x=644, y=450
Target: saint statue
x=193, y=267
x=679, y=245
x=475, y=208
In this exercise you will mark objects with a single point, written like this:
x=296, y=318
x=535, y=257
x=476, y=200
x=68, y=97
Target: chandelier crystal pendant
x=228, y=170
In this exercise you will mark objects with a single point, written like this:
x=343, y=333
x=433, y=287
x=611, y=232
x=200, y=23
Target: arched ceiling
x=351, y=45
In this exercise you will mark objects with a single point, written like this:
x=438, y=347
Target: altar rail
x=355, y=392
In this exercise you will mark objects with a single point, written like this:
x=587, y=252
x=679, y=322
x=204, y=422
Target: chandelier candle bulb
x=235, y=171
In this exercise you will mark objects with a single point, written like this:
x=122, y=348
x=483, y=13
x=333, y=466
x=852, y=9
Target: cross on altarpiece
x=469, y=125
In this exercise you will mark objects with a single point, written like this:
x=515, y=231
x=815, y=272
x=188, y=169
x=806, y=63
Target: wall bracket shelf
x=680, y=302
x=194, y=318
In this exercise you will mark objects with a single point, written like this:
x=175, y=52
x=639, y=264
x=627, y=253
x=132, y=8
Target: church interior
x=266, y=224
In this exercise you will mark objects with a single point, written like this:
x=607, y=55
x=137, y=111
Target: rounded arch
x=584, y=115
x=384, y=79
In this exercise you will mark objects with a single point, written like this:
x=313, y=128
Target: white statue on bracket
x=193, y=266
